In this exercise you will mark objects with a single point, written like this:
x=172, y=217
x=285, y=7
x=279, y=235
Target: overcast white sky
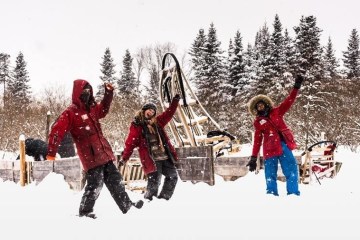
x=66, y=39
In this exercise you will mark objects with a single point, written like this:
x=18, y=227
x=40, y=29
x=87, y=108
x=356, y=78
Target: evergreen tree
x=127, y=81
x=4, y=71
x=276, y=61
x=289, y=54
x=261, y=78
x=330, y=62
x=236, y=60
x=309, y=62
x=308, y=48
x=18, y=86
x=107, y=69
x=197, y=53
x=214, y=70
x=352, y=56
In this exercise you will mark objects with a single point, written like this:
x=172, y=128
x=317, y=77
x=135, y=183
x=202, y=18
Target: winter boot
x=89, y=215
x=164, y=196
x=149, y=195
x=138, y=204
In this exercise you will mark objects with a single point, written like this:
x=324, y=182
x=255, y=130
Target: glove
x=50, y=158
x=177, y=96
x=108, y=87
x=252, y=163
x=298, y=80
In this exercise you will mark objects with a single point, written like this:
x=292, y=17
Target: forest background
x=224, y=81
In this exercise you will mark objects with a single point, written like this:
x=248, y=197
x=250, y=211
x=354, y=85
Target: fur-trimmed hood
x=252, y=103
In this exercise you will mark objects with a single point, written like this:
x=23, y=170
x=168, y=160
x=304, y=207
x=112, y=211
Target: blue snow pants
x=290, y=169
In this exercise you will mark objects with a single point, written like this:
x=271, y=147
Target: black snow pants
x=95, y=179
x=168, y=169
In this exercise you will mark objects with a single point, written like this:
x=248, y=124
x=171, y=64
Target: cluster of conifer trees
x=223, y=80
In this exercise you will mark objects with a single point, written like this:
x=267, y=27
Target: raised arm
x=166, y=116
x=103, y=107
x=289, y=100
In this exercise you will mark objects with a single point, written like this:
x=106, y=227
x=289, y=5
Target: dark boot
x=89, y=215
x=138, y=204
x=153, y=184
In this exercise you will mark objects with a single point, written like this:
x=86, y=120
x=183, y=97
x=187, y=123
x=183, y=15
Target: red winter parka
x=136, y=138
x=268, y=129
x=92, y=147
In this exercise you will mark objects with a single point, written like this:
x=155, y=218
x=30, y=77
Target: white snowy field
x=228, y=210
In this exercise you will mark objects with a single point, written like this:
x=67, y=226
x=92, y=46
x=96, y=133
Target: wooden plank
x=6, y=170
x=72, y=170
x=196, y=164
x=231, y=168
x=40, y=169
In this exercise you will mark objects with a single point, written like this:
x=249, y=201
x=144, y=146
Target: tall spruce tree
x=197, y=53
x=330, y=62
x=352, y=56
x=289, y=54
x=214, y=78
x=276, y=61
x=261, y=78
x=4, y=72
x=308, y=48
x=309, y=63
x=236, y=78
x=108, y=71
x=127, y=81
x=18, y=86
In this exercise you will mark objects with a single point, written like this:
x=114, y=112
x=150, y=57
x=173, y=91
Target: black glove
x=252, y=163
x=177, y=96
x=298, y=80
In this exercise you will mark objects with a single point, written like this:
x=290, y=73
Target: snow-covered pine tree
x=289, y=54
x=330, y=62
x=214, y=78
x=4, y=73
x=108, y=71
x=18, y=86
x=312, y=100
x=352, y=56
x=127, y=80
x=197, y=53
x=260, y=83
x=236, y=78
x=276, y=61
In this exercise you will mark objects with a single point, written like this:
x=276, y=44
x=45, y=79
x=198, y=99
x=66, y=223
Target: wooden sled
x=319, y=162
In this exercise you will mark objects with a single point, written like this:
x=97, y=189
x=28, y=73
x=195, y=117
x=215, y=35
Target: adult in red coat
x=157, y=155
x=81, y=119
x=277, y=139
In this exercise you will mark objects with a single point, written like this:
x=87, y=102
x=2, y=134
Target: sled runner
x=319, y=162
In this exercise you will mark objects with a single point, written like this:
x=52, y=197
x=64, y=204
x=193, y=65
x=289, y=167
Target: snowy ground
x=228, y=210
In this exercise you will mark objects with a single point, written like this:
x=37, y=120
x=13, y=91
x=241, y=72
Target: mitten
x=298, y=80
x=252, y=163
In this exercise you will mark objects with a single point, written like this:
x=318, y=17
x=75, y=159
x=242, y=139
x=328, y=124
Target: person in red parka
x=157, y=155
x=277, y=139
x=81, y=119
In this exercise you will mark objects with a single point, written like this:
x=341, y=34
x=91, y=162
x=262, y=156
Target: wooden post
x=22, y=160
x=48, y=114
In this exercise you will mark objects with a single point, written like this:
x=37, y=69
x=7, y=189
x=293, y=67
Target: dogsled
x=319, y=162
